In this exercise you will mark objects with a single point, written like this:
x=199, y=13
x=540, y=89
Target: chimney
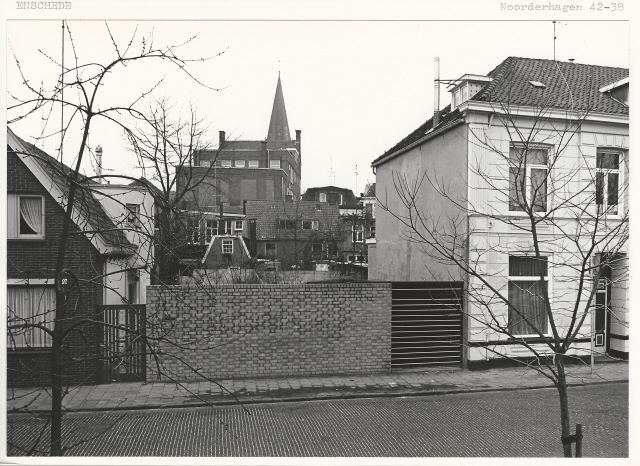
x=221, y=210
x=221, y=136
x=299, y=141
x=99, y=163
x=436, y=92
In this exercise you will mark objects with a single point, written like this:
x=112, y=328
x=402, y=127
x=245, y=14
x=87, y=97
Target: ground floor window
x=30, y=305
x=527, y=314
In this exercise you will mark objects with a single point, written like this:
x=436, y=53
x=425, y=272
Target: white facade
x=132, y=210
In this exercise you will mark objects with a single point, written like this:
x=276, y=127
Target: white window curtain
x=30, y=305
x=31, y=213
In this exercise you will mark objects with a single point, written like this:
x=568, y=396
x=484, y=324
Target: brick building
x=37, y=189
x=236, y=171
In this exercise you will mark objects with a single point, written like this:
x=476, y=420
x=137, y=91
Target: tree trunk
x=564, y=404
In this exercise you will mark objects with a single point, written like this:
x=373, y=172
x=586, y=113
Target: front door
x=602, y=313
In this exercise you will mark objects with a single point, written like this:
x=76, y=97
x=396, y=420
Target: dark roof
x=370, y=190
x=278, y=125
x=447, y=119
x=267, y=214
x=89, y=207
x=568, y=85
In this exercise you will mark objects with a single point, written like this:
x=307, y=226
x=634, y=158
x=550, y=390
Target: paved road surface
x=510, y=423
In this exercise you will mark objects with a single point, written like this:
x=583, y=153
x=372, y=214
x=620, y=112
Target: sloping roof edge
x=97, y=239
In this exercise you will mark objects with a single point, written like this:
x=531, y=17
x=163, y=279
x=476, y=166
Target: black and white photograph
x=316, y=232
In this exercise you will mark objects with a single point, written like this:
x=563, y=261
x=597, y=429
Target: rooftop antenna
x=554, y=41
x=356, y=179
x=331, y=172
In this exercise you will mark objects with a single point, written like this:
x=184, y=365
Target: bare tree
x=540, y=232
x=69, y=323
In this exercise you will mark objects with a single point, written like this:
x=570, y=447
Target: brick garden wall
x=235, y=331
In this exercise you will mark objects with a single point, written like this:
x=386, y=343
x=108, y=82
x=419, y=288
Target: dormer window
x=466, y=87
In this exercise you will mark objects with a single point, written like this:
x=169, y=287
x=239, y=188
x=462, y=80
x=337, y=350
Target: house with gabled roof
x=37, y=193
x=297, y=234
x=538, y=137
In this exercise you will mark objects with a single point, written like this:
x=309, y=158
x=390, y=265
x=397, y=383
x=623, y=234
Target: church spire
x=278, y=126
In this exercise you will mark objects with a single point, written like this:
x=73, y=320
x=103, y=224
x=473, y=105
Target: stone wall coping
x=274, y=285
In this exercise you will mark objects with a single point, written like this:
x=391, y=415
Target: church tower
x=279, y=125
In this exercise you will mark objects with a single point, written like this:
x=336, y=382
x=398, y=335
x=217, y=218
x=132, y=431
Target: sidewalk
x=427, y=381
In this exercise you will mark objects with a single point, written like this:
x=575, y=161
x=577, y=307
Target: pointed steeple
x=278, y=126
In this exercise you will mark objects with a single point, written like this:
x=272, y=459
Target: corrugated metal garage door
x=426, y=324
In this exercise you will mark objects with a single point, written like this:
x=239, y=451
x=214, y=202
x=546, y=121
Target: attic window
x=537, y=84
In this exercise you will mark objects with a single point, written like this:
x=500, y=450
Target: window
x=274, y=163
x=30, y=217
x=287, y=224
x=607, y=181
x=355, y=258
x=316, y=250
x=270, y=250
x=227, y=227
x=332, y=250
x=193, y=231
x=528, y=169
x=239, y=163
x=253, y=164
x=323, y=197
x=226, y=163
x=526, y=294
x=357, y=233
x=133, y=214
x=227, y=246
x=238, y=225
x=309, y=224
x=211, y=230
x=30, y=305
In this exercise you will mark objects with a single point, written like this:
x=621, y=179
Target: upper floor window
x=607, y=181
x=323, y=197
x=309, y=224
x=133, y=214
x=238, y=225
x=211, y=230
x=274, y=163
x=227, y=226
x=287, y=224
x=193, y=231
x=528, y=171
x=225, y=163
x=227, y=246
x=30, y=217
x=239, y=163
x=357, y=233
x=253, y=164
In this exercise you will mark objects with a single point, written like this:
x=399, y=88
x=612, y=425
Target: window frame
x=323, y=197
x=239, y=163
x=235, y=225
x=18, y=217
x=274, y=163
x=225, y=163
x=549, y=281
x=355, y=233
x=47, y=323
x=193, y=231
x=211, y=226
x=604, y=208
x=270, y=254
x=227, y=243
x=254, y=164
x=527, y=173
x=132, y=212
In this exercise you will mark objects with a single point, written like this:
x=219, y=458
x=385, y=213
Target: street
x=491, y=424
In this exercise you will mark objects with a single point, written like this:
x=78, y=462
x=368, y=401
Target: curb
x=294, y=399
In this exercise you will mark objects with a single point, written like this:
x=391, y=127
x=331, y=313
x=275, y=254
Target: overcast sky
x=354, y=88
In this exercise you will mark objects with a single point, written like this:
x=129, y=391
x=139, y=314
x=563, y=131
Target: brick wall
x=235, y=331
x=36, y=259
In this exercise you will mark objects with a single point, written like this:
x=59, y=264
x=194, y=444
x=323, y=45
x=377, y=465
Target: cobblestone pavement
x=190, y=394
x=477, y=424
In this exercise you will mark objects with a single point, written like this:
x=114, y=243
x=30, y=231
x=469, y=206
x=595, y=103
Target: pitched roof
x=268, y=213
x=568, y=86
x=91, y=215
x=278, y=126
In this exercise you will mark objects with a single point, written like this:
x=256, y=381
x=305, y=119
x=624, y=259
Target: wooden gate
x=426, y=324
x=123, y=348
